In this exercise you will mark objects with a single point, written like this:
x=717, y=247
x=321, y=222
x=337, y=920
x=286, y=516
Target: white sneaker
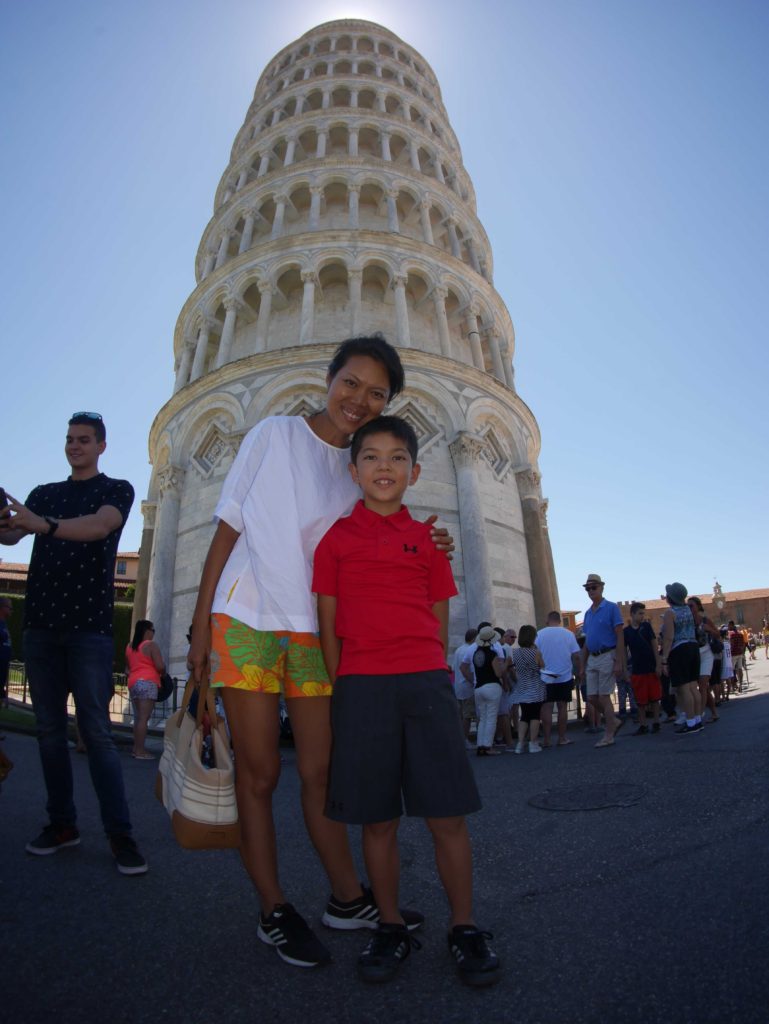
x=534, y=748
x=519, y=748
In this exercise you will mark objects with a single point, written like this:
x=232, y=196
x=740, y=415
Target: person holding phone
x=68, y=646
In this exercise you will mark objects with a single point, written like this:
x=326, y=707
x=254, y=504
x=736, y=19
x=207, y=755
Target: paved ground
x=652, y=912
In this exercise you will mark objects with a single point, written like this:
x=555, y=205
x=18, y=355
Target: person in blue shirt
x=603, y=656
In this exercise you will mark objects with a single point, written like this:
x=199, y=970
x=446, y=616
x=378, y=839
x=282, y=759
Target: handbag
x=199, y=799
x=165, y=689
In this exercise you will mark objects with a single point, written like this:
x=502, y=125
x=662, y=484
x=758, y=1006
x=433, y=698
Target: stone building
x=345, y=209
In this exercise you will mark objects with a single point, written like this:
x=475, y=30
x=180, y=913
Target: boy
x=383, y=595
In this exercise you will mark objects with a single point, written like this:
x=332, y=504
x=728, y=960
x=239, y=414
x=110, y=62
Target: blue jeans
x=57, y=663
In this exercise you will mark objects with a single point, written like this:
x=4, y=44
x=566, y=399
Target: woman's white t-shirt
x=284, y=490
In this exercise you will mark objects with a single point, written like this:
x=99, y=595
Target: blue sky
x=619, y=155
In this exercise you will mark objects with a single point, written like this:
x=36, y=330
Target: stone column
x=471, y=326
x=275, y=117
x=201, y=349
x=320, y=148
x=438, y=169
x=290, y=151
x=496, y=356
x=353, y=197
x=232, y=306
x=473, y=254
x=354, y=286
x=149, y=509
x=537, y=545
x=248, y=232
x=263, y=321
x=307, y=327
x=453, y=239
x=439, y=299
x=354, y=92
x=401, y=311
x=163, y=563
x=392, y=211
x=299, y=106
x=208, y=266
x=280, y=212
x=264, y=164
x=316, y=193
x=326, y=101
x=386, y=155
x=221, y=255
x=427, y=228
x=507, y=364
x=466, y=453
x=352, y=142
x=185, y=362
x=414, y=154
x=242, y=179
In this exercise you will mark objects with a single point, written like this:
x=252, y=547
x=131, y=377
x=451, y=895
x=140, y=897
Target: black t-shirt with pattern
x=71, y=583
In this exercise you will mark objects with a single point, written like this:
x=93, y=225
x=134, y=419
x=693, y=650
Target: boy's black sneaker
x=293, y=939
x=477, y=963
x=127, y=857
x=363, y=913
x=388, y=947
x=52, y=839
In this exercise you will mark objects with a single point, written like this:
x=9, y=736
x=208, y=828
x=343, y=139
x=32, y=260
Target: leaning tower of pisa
x=345, y=209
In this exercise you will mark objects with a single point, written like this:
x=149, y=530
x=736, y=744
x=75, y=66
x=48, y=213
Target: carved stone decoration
x=494, y=453
x=466, y=450
x=427, y=432
x=213, y=448
x=149, y=510
x=528, y=483
x=171, y=481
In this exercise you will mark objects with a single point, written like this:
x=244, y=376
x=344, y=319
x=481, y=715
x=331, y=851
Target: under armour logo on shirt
x=412, y=549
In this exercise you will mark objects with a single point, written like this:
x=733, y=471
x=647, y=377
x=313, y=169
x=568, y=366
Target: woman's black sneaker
x=388, y=947
x=363, y=913
x=477, y=963
x=293, y=939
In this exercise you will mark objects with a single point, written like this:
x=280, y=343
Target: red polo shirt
x=386, y=574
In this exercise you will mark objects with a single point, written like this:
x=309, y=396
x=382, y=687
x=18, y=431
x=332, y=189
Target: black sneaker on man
x=52, y=839
x=127, y=857
x=362, y=913
x=293, y=939
x=477, y=963
x=387, y=948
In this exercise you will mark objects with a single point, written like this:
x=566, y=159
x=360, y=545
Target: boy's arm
x=441, y=612
x=330, y=644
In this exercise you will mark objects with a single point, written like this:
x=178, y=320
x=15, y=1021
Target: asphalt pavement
x=651, y=906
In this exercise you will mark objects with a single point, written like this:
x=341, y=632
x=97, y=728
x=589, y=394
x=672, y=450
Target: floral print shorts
x=266, y=662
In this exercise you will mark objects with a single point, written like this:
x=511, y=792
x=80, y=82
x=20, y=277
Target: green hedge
x=121, y=625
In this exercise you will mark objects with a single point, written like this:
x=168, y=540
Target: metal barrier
x=120, y=708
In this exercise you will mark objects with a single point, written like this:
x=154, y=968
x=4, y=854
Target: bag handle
x=206, y=700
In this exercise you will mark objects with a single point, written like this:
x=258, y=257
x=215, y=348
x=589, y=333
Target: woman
x=488, y=669
x=144, y=665
x=681, y=657
x=529, y=691
x=255, y=628
x=707, y=634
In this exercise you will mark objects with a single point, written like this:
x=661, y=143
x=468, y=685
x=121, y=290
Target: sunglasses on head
x=87, y=415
